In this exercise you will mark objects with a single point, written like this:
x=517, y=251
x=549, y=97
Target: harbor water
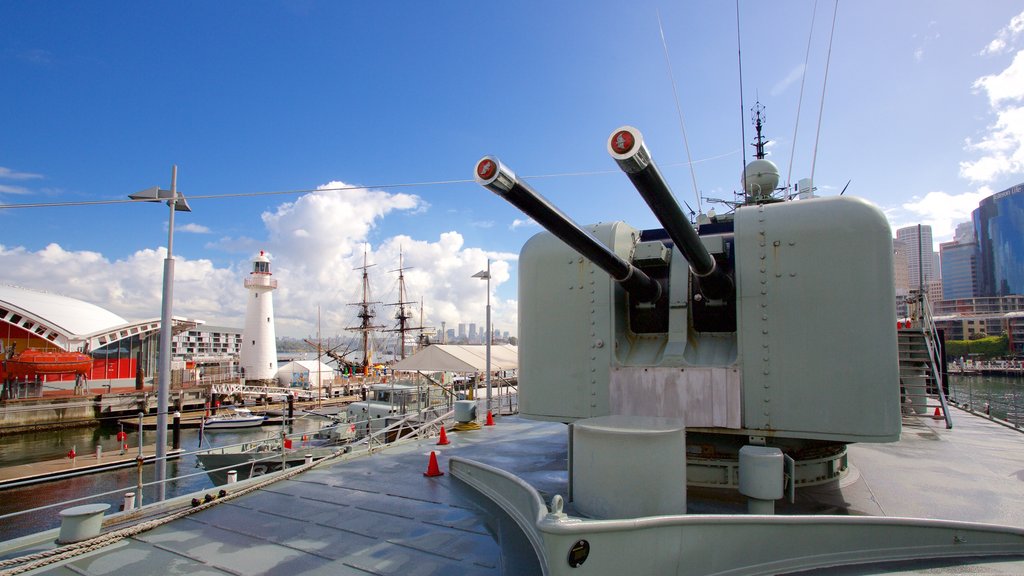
x=1000, y=396
x=188, y=476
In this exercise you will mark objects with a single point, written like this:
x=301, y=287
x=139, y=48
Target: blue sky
x=923, y=115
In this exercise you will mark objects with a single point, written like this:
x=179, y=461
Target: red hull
x=31, y=363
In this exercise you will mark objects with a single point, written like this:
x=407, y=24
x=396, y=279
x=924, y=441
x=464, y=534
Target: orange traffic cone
x=938, y=414
x=490, y=419
x=443, y=440
x=432, y=469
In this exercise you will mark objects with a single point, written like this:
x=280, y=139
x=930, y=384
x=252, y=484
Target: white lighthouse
x=259, y=344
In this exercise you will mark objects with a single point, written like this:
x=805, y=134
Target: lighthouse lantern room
x=259, y=344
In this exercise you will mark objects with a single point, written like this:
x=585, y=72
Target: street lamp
x=486, y=275
x=176, y=203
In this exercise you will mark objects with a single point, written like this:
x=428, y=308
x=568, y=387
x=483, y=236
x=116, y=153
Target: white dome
x=762, y=177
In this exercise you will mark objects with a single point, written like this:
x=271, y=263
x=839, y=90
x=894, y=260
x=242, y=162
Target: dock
x=275, y=413
x=39, y=472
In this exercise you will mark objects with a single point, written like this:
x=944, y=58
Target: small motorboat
x=235, y=418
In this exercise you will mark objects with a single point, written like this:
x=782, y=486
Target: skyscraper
x=999, y=228
x=959, y=270
x=917, y=244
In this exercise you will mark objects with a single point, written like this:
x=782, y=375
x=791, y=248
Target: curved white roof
x=72, y=316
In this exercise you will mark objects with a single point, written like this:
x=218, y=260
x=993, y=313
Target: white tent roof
x=457, y=358
x=308, y=365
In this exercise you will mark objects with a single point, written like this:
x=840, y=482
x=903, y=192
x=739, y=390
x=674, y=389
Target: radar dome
x=762, y=177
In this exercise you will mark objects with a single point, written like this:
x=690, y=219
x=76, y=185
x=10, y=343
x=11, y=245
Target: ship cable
x=800, y=99
x=743, y=129
x=232, y=195
x=824, y=84
x=679, y=112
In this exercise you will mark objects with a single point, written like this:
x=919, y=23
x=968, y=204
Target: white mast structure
x=258, y=355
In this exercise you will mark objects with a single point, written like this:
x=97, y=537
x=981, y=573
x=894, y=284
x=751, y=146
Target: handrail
x=931, y=342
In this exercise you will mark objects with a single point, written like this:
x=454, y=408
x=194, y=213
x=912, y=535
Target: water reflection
x=41, y=446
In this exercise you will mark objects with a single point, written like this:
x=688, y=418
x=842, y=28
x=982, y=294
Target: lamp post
x=486, y=275
x=176, y=203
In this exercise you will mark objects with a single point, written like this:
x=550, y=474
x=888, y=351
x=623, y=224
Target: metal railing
x=931, y=339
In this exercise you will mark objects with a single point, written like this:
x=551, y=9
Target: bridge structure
x=232, y=388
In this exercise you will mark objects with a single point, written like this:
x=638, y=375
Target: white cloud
x=14, y=175
x=940, y=210
x=1007, y=85
x=315, y=244
x=1002, y=146
x=521, y=223
x=7, y=189
x=192, y=228
x=794, y=75
x=1005, y=37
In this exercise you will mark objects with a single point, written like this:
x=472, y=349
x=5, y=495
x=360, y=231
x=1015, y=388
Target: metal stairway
x=922, y=392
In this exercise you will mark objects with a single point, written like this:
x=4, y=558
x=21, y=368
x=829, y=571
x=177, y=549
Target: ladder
x=922, y=381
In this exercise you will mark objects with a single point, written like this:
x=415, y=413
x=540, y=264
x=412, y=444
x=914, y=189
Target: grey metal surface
x=378, y=514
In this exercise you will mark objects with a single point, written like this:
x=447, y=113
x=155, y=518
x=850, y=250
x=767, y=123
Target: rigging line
x=743, y=130
x=824, y=84
x=679, y=112
x=330, y=189
x=800, y=100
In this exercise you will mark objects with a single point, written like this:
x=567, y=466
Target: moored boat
x=236, y=418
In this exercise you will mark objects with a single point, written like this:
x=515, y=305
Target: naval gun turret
x=771, y=326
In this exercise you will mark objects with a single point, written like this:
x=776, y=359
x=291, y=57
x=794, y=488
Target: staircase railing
x=935, y=360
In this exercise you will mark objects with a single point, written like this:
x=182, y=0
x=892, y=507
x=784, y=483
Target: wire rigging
x=679, y=112
x=800, y=100
x=743, y=130
x=824, y=85
x=233, y=195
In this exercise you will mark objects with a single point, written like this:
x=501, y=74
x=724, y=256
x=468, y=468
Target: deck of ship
x=379, y=514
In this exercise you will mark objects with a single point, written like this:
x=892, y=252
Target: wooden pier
x=38, y=472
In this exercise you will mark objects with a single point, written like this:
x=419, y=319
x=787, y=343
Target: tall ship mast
x=404, y=312
x=366, y=314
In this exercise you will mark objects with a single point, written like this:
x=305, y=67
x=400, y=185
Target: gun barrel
x=496, y=177
x=626, y=145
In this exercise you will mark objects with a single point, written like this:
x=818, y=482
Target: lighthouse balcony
x=260, y=281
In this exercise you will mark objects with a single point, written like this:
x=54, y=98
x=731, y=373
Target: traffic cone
x=443, y=440
x=938, y=414
x=432, y=469
x=490, y=419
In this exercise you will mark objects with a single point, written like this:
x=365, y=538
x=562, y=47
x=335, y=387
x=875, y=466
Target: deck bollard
x=81, y=523
x=129, y=501
x=309, y=459
x=99, y=453
x=232, y=476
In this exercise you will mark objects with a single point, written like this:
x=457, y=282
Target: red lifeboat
x=31, y=363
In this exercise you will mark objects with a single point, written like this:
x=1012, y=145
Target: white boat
x=236, y=418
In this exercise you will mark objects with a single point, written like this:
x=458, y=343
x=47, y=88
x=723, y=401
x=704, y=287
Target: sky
x=322, y=131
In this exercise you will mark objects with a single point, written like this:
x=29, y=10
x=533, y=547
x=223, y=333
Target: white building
x=259, y=344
